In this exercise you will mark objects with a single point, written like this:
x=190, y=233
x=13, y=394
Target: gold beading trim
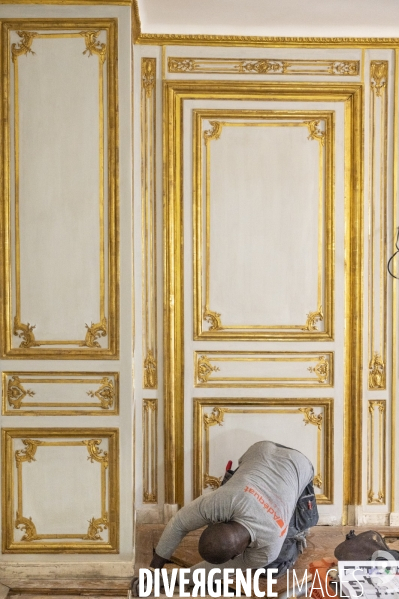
x=323, y=421
x=376, y=496
x=149, y=229
x=30, y=346
x=150, y=451
x=34, y=542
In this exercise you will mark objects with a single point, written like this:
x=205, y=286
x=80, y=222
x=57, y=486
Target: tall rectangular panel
x=60, y=189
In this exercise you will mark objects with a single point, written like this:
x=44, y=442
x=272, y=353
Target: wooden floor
x=321, y=543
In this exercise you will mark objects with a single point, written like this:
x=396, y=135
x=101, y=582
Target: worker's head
x=222, y=541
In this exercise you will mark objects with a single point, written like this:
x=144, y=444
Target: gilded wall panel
x=61, y=490
x=263, y=369
x=307, y=422
x=60, y=189
x=376, y=458
x=60, y=393
x=300, y=303
x=378, y=206
x=150, y=451
x=148, y=199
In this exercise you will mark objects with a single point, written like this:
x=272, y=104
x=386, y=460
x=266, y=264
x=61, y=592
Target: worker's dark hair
x=217, y=543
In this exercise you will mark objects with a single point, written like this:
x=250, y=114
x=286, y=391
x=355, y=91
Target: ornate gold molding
x=95, y=453
x=213, y=318
x=267, y=66
x=216, y=417
x=105, y=394
x=318, y=481
x=378, y=76
x=213, y=133
x=376, y=372
x=150, y=450
x=94, y=332
x=94, y=46
x=27, y=525
x=97, y=525
x=212, y=481
x=148, y=75
x=376, y=496
x=16, y=392
x=321, y=369
x=24, y=46
x=205, y=369
x=27, y=455
x=311, y=418
x=312, y=319
x=315, y=132
x=25, y=332
x=150, y=371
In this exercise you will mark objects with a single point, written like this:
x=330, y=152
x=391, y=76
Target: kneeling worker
x=257, y=519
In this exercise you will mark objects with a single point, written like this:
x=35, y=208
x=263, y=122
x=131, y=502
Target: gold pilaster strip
x=376, y=496
x=378, y=173
x=148, y=199
x=150, y=451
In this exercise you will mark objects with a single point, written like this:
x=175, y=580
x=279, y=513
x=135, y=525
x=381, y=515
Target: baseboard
x=84, y=571
x=394, y=519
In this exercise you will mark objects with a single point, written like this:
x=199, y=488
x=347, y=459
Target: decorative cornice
x=136, y=22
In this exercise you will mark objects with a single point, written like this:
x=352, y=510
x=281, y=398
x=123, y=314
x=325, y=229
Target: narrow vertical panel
x=150, y=450
x=376, y=475
x=378, y=173
x=148, y=199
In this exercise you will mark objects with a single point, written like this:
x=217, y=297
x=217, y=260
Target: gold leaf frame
x=212, y=362
x=150, y=450
x=175, y=95
x=379, y=495
x=108, y=326
x=105, y=390
x=324, y=301
x=34, y=440
x=303, y=407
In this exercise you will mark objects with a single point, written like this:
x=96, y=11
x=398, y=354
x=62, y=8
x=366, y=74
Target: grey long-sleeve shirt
x=261, y=496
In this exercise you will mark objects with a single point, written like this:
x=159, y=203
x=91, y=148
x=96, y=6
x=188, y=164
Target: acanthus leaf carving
x=16, y=392
x=94, y=332
x=376, y=372
x=312, y=318
x=150, y=371
x=94, y=46
x=315, y=132
x=318, y=481
x=95, y=453
x=378, y=75
x=96, y=525
x=215, y=417
x=27, y=454
x=311, y=418
x=148, y=75
x=213, y=133
x=24, y=46
x=105, y=394
x=321, y=369
x=213, y=318
x=344, y=67
x=180, y=65
x=25, y=332
x=212, y=481
x=205, y=369
x=26, y=524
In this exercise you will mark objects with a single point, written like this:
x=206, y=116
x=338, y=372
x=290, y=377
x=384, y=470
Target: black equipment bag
x=363, y=546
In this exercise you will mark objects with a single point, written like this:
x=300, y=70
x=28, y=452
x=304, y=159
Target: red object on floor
x=229, y=465
x=321, y=579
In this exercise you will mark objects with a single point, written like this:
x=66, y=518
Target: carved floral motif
x=95, y=453
x=94, y=46
x=16, y=392
x=105, y=394
x=205, y=369
x=312, y=318
x=150, y=371
x=24, y=46
x=94, y=332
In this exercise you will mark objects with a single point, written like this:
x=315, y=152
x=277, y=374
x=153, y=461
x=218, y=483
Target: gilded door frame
x=175, y=93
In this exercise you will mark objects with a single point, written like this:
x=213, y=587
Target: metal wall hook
x=393, y=256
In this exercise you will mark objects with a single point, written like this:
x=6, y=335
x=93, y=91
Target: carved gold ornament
x=213, y=133
x=315, y=132
x=106, y=393
x=24, y=46
x=27, y=525
x=150, y=405
x=212, y=481
x=25, y=332
x=213, y=318
x=312, y=318
x=94, y=332
x=95, y=453
x=94, y=46
x=96, y=525
x=311, y=418
x=379, y=498
x=27, y=454
x=205, y=369
x=148, y=75
x=149, y=497
x=377, y=372
x=216, y=417
x=16, y=393
x=181, y=65
x=150, y=371
x=378, y=75
x=321, y=369
x=318, y=481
